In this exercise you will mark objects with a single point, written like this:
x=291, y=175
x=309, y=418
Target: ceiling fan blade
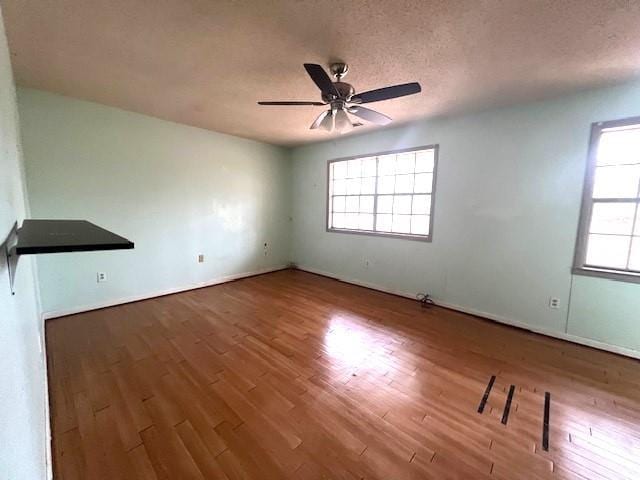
x=291, y=103
x=319, y=120
x=369, y=115
x=320, y=78
x=387, y=93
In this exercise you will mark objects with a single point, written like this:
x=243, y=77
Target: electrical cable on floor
x=425, y=300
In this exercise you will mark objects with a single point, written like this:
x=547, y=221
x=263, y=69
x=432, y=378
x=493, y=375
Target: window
x=389, y=194
x=609, y=236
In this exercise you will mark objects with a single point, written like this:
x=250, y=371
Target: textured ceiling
x=206, y=63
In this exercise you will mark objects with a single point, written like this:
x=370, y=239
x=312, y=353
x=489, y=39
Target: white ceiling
x=206, y=63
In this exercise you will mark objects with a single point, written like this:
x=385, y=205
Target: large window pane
x=352, y=204
x=423, y=183
x=339, y=187
x=616, y=181
x=365, y=221
x=352, y=220
x=383, y=222
x=608, y=251
x=368, y=185
x=404, y=183
x=405, y=162
x=421, y=204
x=424, y=161
x=612, y=218
x=386, y=184
x=402, y=204
x=401, y=224
x=354, y=168
x=619, y=146
x=420, y=224
x=366, y=204
x=387, y=165
x=369, y=167
x=338, y=204
x=353, y=186
x=385, y=204
x=338, y=220
x=634, y=259
x=339, y=170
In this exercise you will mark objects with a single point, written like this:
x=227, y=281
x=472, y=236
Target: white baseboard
x=627, y=352
x=47, y=414
x=411, y=295
x=146, y=296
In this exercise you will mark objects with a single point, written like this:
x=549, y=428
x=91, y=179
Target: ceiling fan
x=343, y=99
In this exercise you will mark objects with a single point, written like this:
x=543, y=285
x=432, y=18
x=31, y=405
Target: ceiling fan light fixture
x=327, y=122
x=316, y=123
x=343, y=123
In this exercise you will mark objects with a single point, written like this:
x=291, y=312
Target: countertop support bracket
x=11, y=256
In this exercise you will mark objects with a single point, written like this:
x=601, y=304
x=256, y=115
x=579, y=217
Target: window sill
x=616, y=275
x=405, y=236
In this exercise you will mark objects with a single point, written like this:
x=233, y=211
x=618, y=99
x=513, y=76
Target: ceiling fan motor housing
x=345, y=92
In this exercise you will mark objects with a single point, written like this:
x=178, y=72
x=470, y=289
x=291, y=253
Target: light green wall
x=176, y=191
x=508, y=198
x=507, y=203
x=23, y=421
x=606, y=311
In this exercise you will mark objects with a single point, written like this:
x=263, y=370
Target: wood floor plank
x=141, y=464
x=168, y=454
x=200, y=451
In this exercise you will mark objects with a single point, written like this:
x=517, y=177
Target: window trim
x=407, y=236
x=579, y=260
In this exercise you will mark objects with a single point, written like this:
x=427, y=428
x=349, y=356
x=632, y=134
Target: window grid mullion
x=331, y=192
x=633, y=226
x=615, y=200
x=375, y=197
x=413, y=193
x=611, y=234
x=393, y=199
x=618, y=164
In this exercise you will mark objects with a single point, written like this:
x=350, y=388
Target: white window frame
x=407, y=236
x=580, y=266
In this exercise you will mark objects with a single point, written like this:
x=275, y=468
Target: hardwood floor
x=291, y=375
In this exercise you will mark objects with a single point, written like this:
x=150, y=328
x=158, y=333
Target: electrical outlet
x=554, y=303
x=102, y=277
x=201, y=258
x=266, y=249
x=366, y=264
